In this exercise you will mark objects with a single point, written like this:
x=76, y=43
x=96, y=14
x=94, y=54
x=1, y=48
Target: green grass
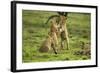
x=35, y=32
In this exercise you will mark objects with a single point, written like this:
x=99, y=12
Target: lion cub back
x=45, y=47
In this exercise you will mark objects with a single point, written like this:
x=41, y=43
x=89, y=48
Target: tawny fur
x=63, y=32
x=46, y=45
x=51, y=41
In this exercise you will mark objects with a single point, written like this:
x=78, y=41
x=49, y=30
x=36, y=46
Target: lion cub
x=51, y=41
